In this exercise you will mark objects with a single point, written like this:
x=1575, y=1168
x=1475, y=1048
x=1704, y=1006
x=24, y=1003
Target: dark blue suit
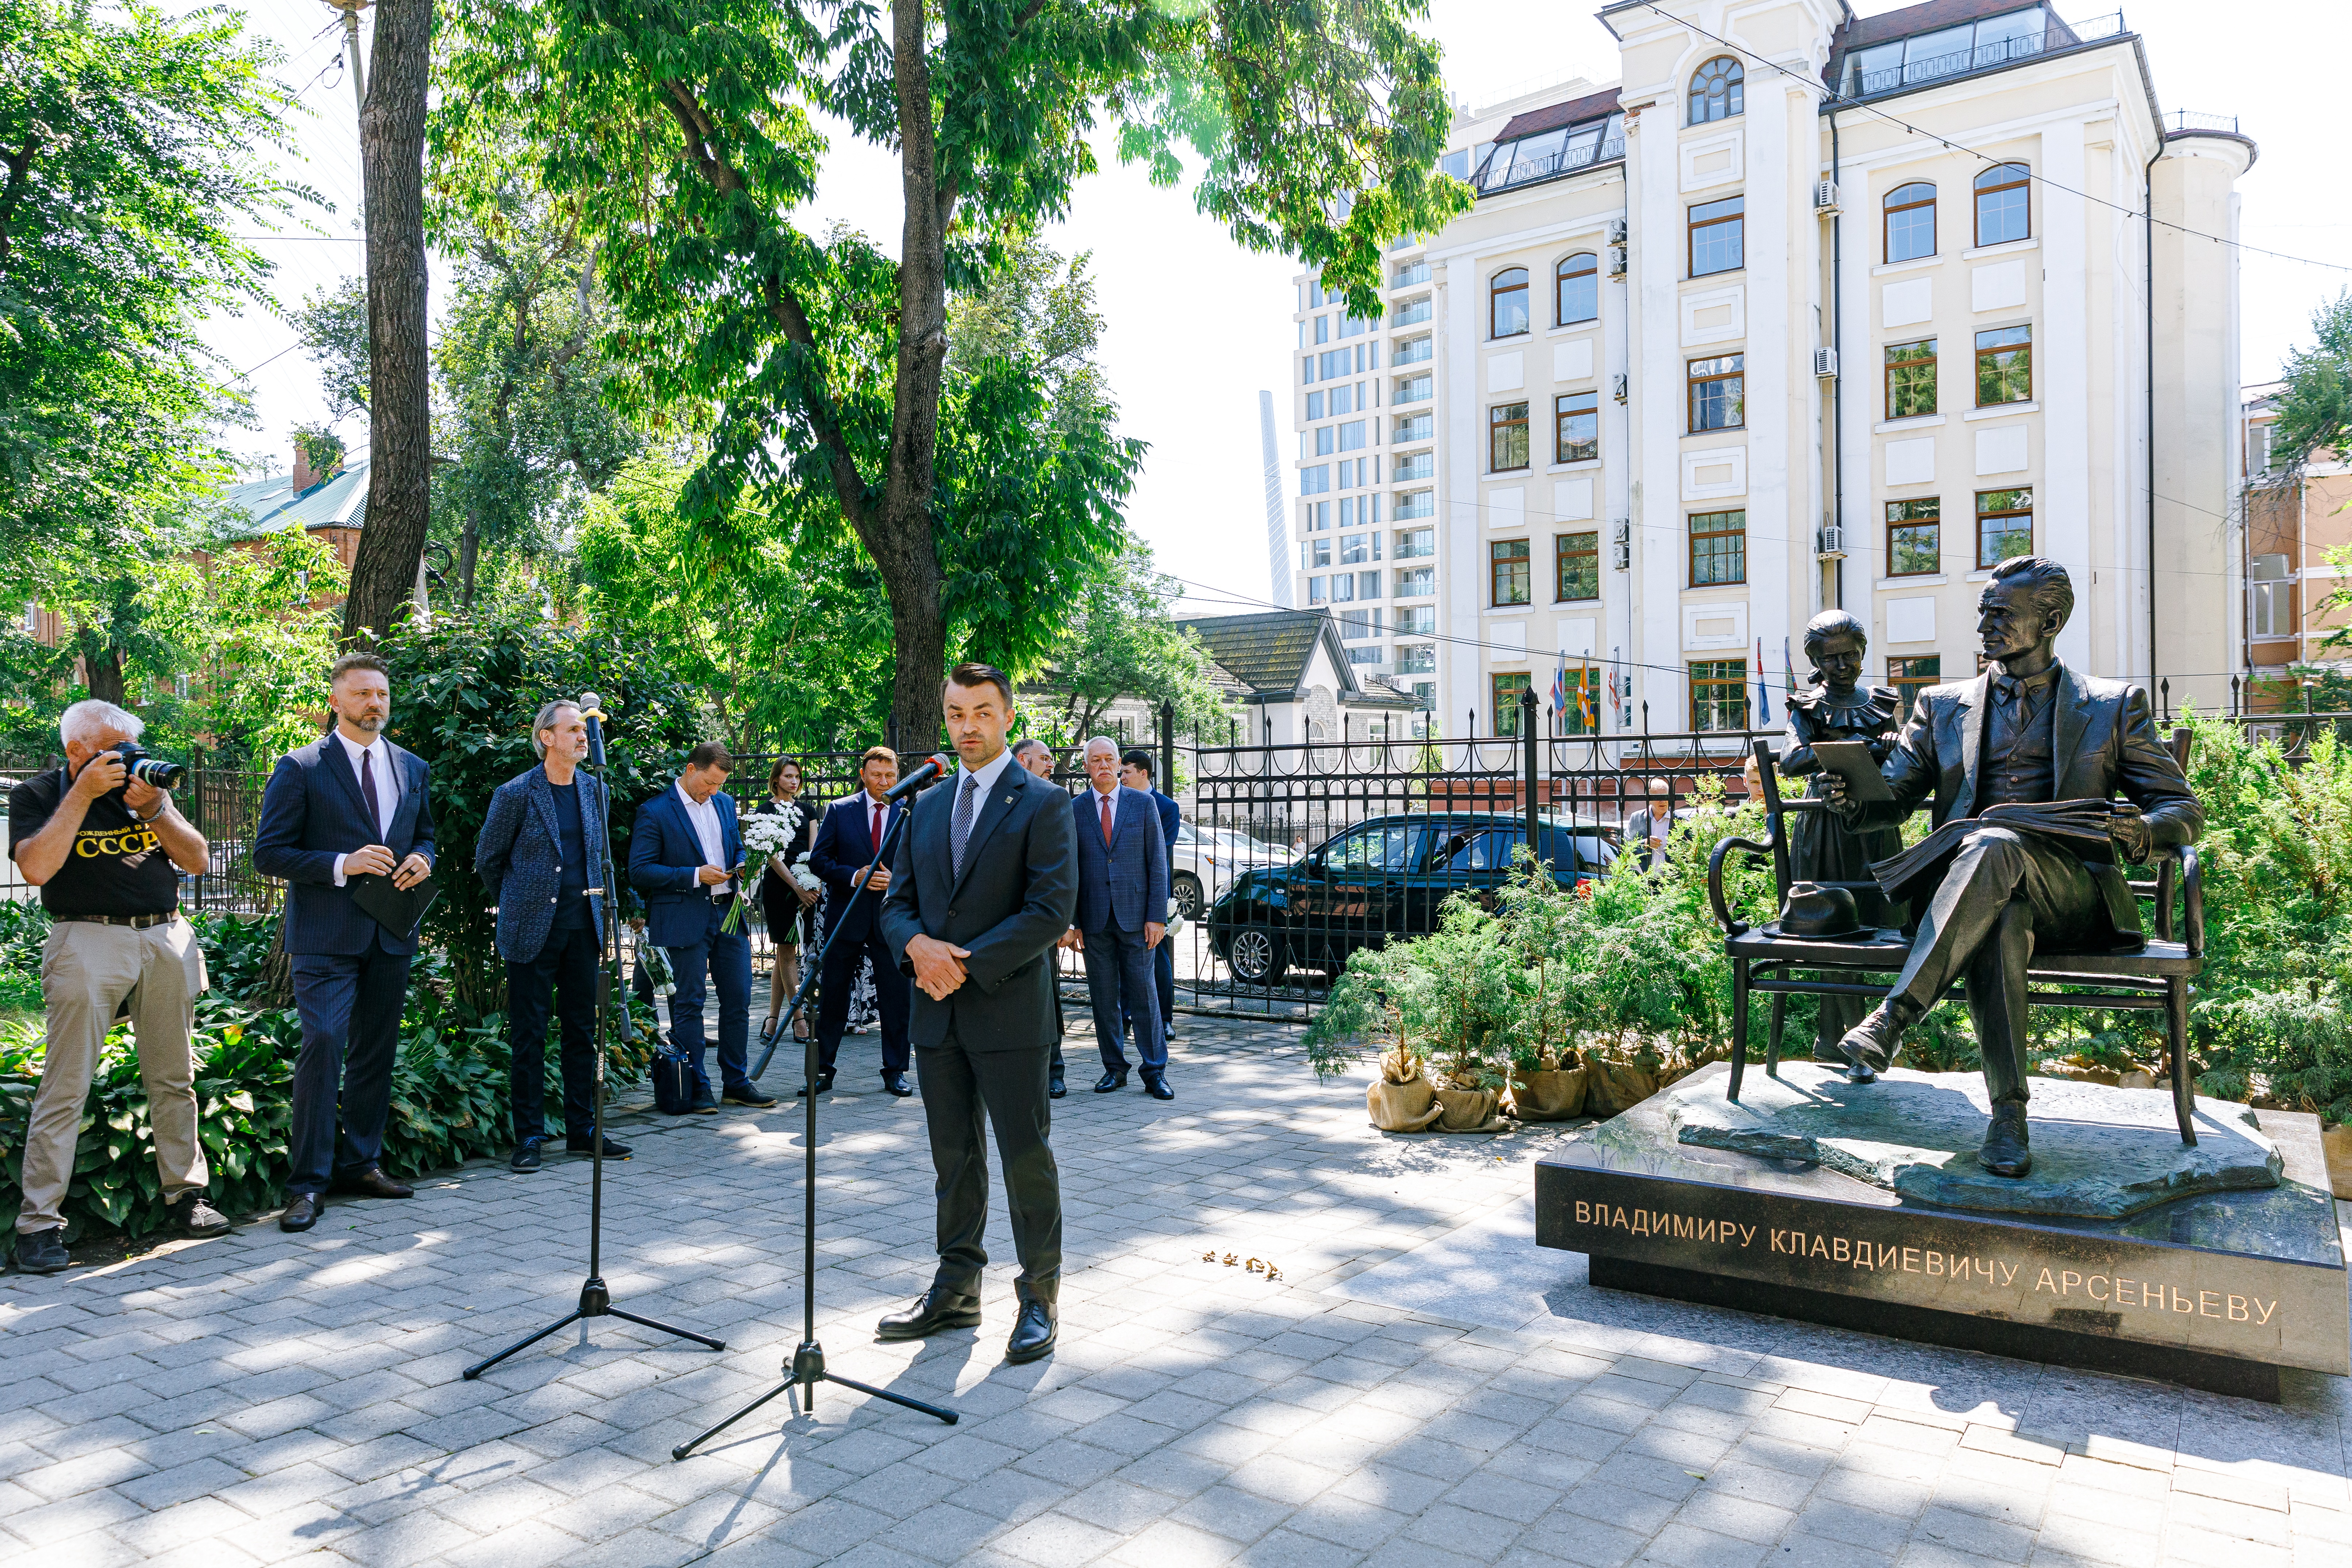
x=551, y=932
x=1163, y=957
x=350, y=975
x=845, y=845
x=665, y=854
x=1122, y=886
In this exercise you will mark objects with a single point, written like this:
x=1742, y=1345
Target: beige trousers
x=87, y=972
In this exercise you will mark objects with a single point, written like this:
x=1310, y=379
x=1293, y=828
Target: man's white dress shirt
x=704, y=815
x=376, y=756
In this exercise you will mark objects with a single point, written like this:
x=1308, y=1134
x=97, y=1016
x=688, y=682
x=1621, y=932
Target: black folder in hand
x=398, y=910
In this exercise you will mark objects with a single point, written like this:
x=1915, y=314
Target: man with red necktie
x=853, y=830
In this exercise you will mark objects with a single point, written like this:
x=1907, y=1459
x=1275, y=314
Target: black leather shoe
x=703, y=1106
x=2004, y=1152
x=191, y=1215
x=935, y=1310
x=1057, y=1088
x=373, y=1182
x=586, y=1146
x=747, y=1094
x=1038, y=1326
x=1870, y=1047
x=526, y=1156
x=301, y=1211
x=1156, y=1086
x=1110, y=1083
x=42, y=1251
x=896, y=1082
x=824, y=1086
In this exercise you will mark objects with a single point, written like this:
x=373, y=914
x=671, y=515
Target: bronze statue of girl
x=1837, y=707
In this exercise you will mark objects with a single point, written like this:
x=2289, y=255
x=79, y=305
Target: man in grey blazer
x=541, y=851
x=983, y=886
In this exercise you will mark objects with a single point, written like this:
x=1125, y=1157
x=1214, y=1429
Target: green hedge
x=448, y=1089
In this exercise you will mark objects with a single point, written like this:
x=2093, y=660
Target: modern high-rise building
x=1806, y=311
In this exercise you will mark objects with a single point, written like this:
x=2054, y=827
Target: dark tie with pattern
x=367, y=792
x=960, y=829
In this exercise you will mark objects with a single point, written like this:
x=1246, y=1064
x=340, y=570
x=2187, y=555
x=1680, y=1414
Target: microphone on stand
x=591, y=707
x=938, y=764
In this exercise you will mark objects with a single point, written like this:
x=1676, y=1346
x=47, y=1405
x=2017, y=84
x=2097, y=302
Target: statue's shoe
x=2005, y=1152
x=1870, y=1047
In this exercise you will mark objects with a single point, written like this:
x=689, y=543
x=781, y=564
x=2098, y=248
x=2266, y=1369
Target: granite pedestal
x=1871, y=1223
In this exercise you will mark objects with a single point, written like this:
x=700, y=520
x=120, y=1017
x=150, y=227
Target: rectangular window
x=1915, y=536
x=1507, y=439
x=1314, y=407
x=1324, y=440
x=1343, y=400
x=1416, y=620
x=1719, y=694
x=1356, y=625
x=1343, y=588
x=1911, y=676
x=2004, y=526
x=2274, y=609
x=1416, y=503
x=1418, y=427
x=1415, y=658
x=1717, y=240
x=1314, y=481
x=1416, y=351
x=1413, y=389
x=1511, y=570
x=1410, y=312
x=1415, y=541
x=1322, y=328
x=1418, y=583
x=2004, y=366
x=1506, y=687
x=1318, y=553
x=1578, y=418
x=1718, y=548
x=1718, y=392
x=1425, y=693
x=1306, y=369
x=1319, y=515
x=1414, y=272
x=1911, y=379
x=1365, y=654
x=1339, y=362
x=1578, y=563
x=1352, y=549
x=1318, y=590
x=1347, y=511
x=1367, y=586
x=1414, y=466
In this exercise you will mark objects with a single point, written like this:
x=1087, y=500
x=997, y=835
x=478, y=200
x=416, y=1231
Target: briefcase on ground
x=673, y=1084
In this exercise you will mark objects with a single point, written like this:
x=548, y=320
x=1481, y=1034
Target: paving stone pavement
x=274, y=1399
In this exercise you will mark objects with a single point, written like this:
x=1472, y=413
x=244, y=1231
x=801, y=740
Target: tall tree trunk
x=391, y=162
x=469, y=548
x=101, y=664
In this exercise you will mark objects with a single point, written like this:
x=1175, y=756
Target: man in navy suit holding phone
x=852, y=831
x=349, y=805
x=683, y=851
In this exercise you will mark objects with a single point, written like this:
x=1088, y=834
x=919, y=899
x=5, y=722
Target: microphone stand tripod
x=595, y=1300
x=807, y=1368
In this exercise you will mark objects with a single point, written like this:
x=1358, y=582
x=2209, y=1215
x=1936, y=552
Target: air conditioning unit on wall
x=1621, y=545
x=1830, y=542
x=1616, y=261
x=1825, y=362
x=1618, y=388
x=1825, y=198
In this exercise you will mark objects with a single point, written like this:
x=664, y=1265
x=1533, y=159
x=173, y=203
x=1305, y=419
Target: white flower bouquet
x=766, y=835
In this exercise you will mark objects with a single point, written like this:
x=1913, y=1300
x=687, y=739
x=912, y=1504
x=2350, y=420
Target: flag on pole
x=1559, y=685
x=1763, y=690
x=1584, y=693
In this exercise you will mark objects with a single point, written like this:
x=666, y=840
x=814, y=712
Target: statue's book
x=2084, y=826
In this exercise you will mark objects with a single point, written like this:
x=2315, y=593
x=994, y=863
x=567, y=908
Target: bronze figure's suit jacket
x=1012, y=903
x=2103, y=743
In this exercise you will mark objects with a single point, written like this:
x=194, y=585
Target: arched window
x=2002, y=208
x=1506, y=303
x=1576, y=288
x=1715, y=92
x=1911, y=221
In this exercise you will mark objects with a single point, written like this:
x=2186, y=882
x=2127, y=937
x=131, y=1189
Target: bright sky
x=1197, y=325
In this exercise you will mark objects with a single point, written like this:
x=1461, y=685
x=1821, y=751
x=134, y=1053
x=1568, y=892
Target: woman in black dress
x=1837, y=707
x=783, y=901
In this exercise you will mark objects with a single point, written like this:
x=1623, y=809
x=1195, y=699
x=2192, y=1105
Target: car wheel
x=1256, y=955
x=1187, y=888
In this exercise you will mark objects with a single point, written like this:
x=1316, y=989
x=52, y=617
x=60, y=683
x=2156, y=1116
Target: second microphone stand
x=807, y=1368
x=595, y=1298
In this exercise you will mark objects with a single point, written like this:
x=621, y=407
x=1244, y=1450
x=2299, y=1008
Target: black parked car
x=1382, y=878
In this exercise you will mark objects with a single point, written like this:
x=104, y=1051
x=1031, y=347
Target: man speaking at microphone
x=983, y=886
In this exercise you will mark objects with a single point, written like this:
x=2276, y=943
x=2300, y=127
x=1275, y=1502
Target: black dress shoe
x=1870, y=1047
x=1057, y=1088
x=586, y=1146
x=746, y=1094
x=896, y=1082
x=2004, y=1152
x=42, y=1251
x=191, y=1215
x=703, y=1106
x=934, y=1312
x=1156, y=1086
x=301, y=1211
x=1035, y=1330
x=525, y=1158
x=373, y=1182
x=824, y=1085
x=1110, y=1083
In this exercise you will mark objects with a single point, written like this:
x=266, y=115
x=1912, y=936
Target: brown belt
x=136, y=923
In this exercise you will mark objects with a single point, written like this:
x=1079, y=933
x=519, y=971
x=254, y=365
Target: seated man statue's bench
x=2150, y=978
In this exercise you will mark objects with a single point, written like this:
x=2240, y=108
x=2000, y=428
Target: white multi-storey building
x=1719, y=347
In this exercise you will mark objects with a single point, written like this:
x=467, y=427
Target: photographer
x=106, y=849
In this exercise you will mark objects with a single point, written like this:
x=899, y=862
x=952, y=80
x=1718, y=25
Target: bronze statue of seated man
x=2027, y=730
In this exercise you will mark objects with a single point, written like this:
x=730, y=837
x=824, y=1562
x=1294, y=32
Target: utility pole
x=350, y=10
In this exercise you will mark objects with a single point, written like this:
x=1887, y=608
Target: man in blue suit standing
x=683, y=851
x=1137, y=769
x=1122, y=915
x=349, y=803
x=541, y=851
x=853, y=830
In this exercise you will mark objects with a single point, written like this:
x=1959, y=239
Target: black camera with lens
x=160, y=772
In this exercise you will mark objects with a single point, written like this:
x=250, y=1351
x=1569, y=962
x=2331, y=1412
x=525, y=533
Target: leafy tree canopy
x=1120, y=643
x=2315, y=409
